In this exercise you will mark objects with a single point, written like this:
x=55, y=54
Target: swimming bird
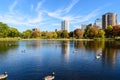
x=50, y=77
x=75, y=51
x=3, y=76
x=98, y=56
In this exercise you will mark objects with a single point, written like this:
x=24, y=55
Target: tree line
x=90, y=32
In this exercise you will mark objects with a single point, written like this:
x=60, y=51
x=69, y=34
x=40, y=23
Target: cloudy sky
x=48, y=14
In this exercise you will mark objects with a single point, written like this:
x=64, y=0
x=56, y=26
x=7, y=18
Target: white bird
x=3, y=76
x=50, y=77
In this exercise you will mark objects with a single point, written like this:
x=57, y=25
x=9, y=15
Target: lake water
x=70, y=60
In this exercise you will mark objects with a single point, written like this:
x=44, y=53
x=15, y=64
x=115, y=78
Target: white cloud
x=17, y=18
x=71, y=6
x=37, y=19
x=11, y=9
x=61, y=13
x=39, y=6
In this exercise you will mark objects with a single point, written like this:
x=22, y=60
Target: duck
x=3, y=76
x=50, y=77
x=75, y=51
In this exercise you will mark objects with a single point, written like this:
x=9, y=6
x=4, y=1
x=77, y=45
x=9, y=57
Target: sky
x=47, y=15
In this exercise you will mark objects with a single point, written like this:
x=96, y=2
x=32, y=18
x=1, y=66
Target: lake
x=70, y=60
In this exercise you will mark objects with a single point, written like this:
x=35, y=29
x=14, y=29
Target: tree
x=49, y=35
x=35, y=34
x=14, y=32
x=116, y=30
x=91, y=32
x=4, y=30
x=64, y=34
x=54, y=35
x=108, y=31
x=78, y=33
x=27, y=33
x=59, y=34
x=71, y=34
x=101, y=33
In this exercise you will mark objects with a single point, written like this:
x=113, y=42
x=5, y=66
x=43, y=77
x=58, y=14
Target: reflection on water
x=107, y=49
x=43, y=57
x=5, y=46
x=110, y=53
x=65, y=49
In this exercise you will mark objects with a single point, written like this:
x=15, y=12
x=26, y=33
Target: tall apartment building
x=65, y=25
x=98, y=23
x=109, y=19
x=83, y=26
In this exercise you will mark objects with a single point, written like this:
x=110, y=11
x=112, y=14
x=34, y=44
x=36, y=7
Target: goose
x=97, y=56
x=75, y=51
x=3, y=76
x=50, y=77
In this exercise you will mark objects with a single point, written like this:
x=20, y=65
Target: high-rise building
x=83, y=26
x=35, y=29
x=109, y=19
x=98, y=23
x=65, y=25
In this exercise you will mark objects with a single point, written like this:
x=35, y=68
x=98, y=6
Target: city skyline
x=47, y=15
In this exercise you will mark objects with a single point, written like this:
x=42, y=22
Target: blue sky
x=48, y=14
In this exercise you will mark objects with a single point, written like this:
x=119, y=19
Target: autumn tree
x=116, y=30
x=91, y=32
x=78, y=33
x=101, y=33
x=35, y=34
x=108, y=31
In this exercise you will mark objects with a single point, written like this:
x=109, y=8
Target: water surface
x=70, y=60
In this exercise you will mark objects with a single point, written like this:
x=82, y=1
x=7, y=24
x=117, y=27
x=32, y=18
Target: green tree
x=59, y=34
x=49, y=35
x=71, y=34
x=64, y=34
x=55, y=35
x=27, y=33
x=14, y=32
x=4, y=30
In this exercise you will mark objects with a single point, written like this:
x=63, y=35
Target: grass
x=10, y=39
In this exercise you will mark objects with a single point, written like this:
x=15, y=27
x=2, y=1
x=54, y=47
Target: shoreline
x=64, y=39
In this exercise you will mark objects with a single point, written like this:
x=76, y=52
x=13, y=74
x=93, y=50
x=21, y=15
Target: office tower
x=65, y=25
x=83, y=26
x=109, y=19
x=35, y=29
x=98, y=23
